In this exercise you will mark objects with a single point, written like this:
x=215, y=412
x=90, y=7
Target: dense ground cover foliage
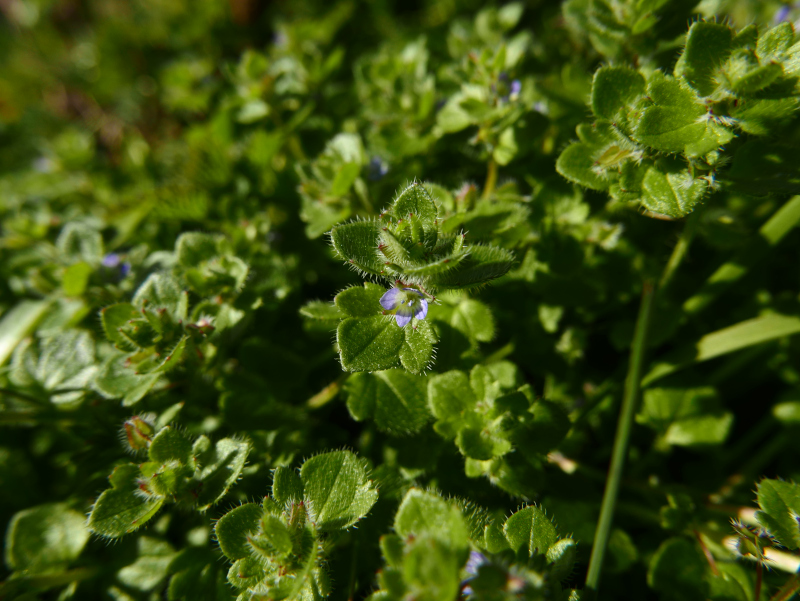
x=401, y=300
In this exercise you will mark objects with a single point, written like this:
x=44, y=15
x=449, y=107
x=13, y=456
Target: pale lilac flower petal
x=422, y=309
x=475, y=561
x=111, y=260
x=392, y=299
x=415, y=291
x=404, y=315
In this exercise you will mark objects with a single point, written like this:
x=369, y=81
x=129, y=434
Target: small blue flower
x=516, y=88
x=376, y=169
x=408, y=302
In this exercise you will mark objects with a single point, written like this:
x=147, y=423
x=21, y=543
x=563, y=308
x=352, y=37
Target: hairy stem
x=621, y=440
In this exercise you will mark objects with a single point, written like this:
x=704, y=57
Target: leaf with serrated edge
x=780, y=508
x=531, y=531
x=338, y=491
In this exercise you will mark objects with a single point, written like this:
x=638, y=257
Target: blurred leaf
x=45, y=537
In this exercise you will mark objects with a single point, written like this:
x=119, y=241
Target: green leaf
x=474, y=319
x=219, y=469
x=686, y=417
x=530, y=531
x=345, y=178
x=708, y=46
x=546, y=430
x=173, y=357
x=483, y=264
x=171, y=445
x=615, y=89
x=79, y=242
x=577, y=164
x=233, y=529
x=287, y=487
x=64, y=361
x=775, y=42
x=369, y=343
x=194, y=248
x=416, y=353
x=678, y=570
x=120, y=509
x=274, y=539
x=338, y=491
x=416, y=200
x=396, y=400
x=322, y=311
x=75, y=278
x=669, y=189
x=430, y=570
x=422, y=513
x=495, y=539
x=561, y=556
x=506, y=148
x=45, y=536
x=116, y=380
x=700, y=430
x=449, y=396
x=482, y=443
x=677, y=121
x=160, y=291
x=151, y=567
x=18, y=323
x=114, y=318
x=780, y=508
x=452, y=117
x=730, y=339
x=358, y=301
x=755, y=79
x=356, y=242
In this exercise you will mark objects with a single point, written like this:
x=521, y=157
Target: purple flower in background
x=475, y=561
x=781, y=14
x=408, y=302
x=376, y=169
x=516, y=88
x=112, y=261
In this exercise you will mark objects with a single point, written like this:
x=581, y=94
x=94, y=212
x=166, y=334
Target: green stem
x=621, y=440
x=679, y=252
x=491, y=180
